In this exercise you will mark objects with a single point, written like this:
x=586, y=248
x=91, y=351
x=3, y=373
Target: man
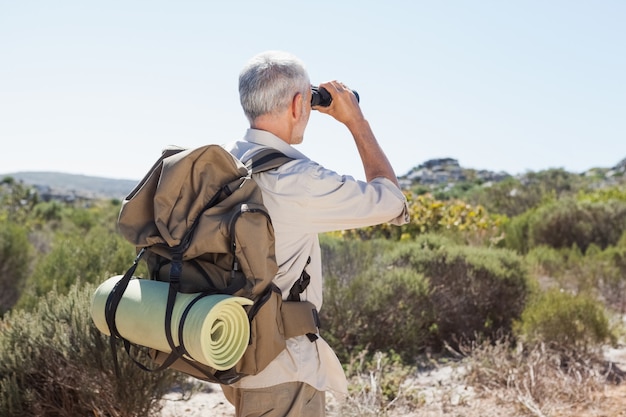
x=305, y=199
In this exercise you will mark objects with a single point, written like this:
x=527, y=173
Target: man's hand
x=345, y=109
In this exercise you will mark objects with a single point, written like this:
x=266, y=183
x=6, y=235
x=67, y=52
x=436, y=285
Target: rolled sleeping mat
x=216, y=330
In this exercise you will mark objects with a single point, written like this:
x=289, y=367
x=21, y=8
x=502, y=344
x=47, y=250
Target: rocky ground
x=207, y=402
x=442, y=394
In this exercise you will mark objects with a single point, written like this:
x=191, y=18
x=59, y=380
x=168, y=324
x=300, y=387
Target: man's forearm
x=375, y=162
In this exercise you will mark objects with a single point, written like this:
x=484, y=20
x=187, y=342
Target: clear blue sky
x=99, y=88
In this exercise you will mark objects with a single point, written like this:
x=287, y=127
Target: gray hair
x=269, y=81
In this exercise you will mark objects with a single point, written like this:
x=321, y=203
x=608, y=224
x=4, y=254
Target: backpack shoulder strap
x=266, y=159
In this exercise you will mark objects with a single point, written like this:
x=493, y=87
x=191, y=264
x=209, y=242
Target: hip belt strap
x=299, y=318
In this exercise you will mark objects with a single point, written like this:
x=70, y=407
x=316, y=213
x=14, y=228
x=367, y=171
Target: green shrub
x=15, y=258
x=89, y=257
x=49, y=211
x=597, y=273
x=73, y=218
x=508, y=197
x=16, y=201
x=54, y=362
x=565, y=223
x=344, y=259
x=473, y=290
x=408, y=296
x=569, y=268
x=591, y=219
x=517, y=232
x=546, y=261
x=622, y=240
x=603, y=195
x=564, y=320
x=366, y=305
x=83, y=219
x=612, y=276
x=377, y=310
x=515, y=196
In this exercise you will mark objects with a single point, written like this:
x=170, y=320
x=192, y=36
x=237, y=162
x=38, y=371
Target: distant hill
x=434, y=172
x=61, y=185
x=445, y=171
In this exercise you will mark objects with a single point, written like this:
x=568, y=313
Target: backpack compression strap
x=299, y=317
x=110, y=311
x=266, y=159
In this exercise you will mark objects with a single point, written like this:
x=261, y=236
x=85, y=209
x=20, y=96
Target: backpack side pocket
x=267, y=334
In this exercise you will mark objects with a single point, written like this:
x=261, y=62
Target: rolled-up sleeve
x=310, y=198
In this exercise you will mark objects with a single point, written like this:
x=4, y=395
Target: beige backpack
x=198, y=220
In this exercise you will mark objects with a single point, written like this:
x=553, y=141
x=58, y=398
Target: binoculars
x=321, y=97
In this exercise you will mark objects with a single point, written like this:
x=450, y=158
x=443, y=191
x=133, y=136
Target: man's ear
x=296, y=106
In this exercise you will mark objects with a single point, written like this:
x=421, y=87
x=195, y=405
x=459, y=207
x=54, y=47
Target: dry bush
x=54, y=362
x=377, y=386
x=542, y=381
x=488, y=379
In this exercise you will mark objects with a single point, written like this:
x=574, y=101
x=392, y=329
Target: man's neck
x=274, y=125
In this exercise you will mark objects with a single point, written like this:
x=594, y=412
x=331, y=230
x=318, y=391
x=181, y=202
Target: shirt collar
x=269, y=140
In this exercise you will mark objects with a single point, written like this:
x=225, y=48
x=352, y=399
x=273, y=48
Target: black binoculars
x=321, y=97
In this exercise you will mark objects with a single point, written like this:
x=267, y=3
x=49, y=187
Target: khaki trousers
x=291, y=399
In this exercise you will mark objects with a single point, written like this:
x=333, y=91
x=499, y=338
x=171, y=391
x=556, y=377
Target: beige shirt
x=305, y=199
